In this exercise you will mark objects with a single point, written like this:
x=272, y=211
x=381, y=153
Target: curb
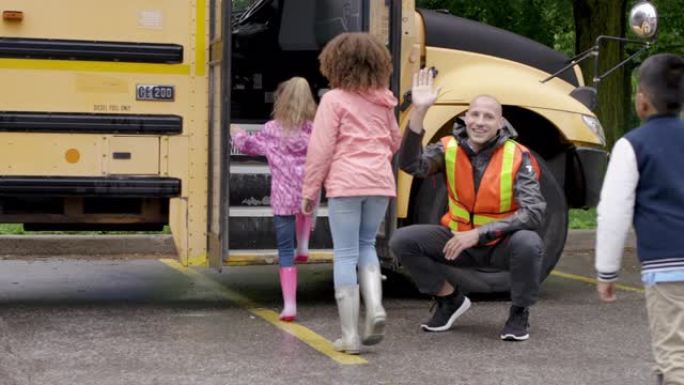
x=162, y=246
x=140, y=246
x=585, y=240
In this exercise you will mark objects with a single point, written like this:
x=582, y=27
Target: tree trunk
x=592, y=19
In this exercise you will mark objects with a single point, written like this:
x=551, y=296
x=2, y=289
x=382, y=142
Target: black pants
x=419, y=249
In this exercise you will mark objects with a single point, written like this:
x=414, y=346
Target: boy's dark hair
x=661, y=77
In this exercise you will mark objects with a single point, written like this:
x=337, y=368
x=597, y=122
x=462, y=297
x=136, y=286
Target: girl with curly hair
x=355, y=134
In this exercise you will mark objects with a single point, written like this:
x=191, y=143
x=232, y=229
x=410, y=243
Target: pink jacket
x=286, y=155
x=354, y=137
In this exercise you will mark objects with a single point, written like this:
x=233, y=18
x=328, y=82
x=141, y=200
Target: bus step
x=250, y=184
x=247, y=211
x=242, y=257
x=253, y=228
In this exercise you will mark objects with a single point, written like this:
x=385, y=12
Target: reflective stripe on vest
x=463, y=213
x=507, y=177
x=455, y=208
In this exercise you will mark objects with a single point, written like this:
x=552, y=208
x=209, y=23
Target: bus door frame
x=219, y=60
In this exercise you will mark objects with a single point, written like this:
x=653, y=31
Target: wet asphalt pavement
x=66, y=321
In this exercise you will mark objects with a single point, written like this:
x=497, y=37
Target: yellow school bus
x=115, y=115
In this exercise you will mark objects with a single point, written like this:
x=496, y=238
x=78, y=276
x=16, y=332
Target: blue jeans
x=285, y=239
x=354, y=223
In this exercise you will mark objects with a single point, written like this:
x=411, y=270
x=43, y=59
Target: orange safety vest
x=494, y=199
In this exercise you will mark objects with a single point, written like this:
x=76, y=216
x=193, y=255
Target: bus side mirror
x=643, y=19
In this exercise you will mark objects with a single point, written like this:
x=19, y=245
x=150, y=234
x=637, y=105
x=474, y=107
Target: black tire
x=431, y=204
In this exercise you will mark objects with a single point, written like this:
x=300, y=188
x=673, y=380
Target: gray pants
x=419, y=250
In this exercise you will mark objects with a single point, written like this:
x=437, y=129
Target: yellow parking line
x=300, y=332
x=593, y=281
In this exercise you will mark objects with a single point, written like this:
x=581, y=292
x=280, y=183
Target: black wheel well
x=536, y=132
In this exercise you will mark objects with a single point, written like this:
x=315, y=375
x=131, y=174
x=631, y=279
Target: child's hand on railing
x=235, y=129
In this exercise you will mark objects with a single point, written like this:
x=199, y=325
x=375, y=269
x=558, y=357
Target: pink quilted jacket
x=286, y=155
x=354, y=137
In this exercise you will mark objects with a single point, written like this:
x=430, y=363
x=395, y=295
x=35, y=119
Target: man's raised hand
x=423, y=93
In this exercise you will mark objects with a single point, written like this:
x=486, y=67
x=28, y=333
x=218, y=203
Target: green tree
x=594, y=18
x=571, y=27
x=670, y=26
x=670, y=38
x=546, y=21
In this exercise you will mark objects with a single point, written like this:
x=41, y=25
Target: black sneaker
x=516, y=328
x=449, y=308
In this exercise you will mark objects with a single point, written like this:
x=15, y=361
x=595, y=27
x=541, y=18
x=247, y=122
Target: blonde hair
x=356, y=61
x=294, y=104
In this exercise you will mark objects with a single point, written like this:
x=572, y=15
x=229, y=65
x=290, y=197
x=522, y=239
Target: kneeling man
x=495, y=204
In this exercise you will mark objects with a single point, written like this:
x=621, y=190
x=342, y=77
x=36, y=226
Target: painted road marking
x=300, y=332
x=593, y=281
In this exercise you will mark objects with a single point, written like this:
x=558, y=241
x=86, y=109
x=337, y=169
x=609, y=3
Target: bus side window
x=297, y=26
x=334, y=17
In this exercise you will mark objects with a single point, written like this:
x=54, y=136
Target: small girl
x=355, y=134
x=284, y=141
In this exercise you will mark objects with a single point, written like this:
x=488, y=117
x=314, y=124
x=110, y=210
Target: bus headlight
x=595, y=126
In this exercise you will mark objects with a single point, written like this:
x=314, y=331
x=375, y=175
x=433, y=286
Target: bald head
x=489, y=101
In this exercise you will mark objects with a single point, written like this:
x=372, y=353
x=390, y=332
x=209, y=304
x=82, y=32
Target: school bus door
x=219, y=120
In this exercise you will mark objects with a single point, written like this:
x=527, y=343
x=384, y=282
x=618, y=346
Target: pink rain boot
x=303, y=232
x=288, y=285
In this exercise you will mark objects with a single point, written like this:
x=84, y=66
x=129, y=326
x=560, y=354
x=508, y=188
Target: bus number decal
x=154, y=92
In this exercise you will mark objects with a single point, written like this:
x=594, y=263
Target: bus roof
x=448, y=31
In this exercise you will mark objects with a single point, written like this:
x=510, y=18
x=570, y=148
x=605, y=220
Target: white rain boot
x=376, y=317
x=348, y=307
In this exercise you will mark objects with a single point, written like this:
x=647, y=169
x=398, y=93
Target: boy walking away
x=644, y=184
